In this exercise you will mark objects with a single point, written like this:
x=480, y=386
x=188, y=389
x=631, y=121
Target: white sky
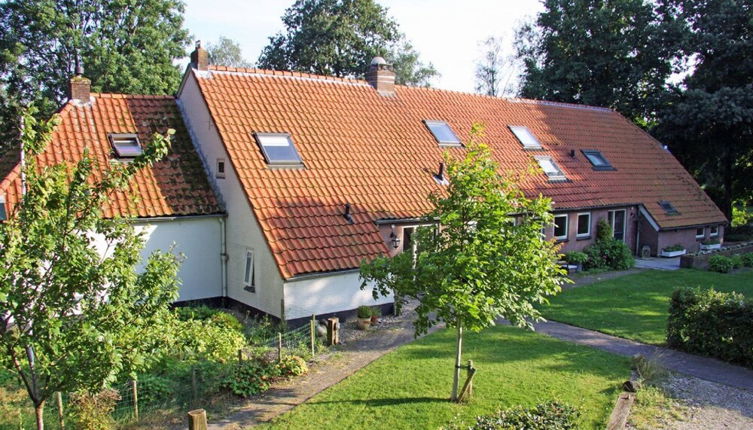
x=445, y=32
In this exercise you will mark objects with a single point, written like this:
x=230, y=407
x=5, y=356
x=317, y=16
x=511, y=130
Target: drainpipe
x=638, y=235
x=223, y=256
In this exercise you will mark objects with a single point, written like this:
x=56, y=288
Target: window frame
x=561, y=238
x=220, y=168
x=713, y=231
x=258, y=137
x=703, y=233
x=578, y=234
x=588, y=153
x=612, y=214
x=443, y=143
x=514, y=129
x=561, y=177
x=249, y=271
x=113, y=137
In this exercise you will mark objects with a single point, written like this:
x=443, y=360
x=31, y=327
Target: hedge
x=712, y=323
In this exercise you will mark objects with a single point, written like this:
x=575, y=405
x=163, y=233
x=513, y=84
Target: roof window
x=668, y=208
x=278, y=149
x=553, y=172
x=126, y=145
x=598, y=161
x=526, y=138
x=442, y=133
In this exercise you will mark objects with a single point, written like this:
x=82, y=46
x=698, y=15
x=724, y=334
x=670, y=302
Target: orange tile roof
x=375, y=153
x=175, y=186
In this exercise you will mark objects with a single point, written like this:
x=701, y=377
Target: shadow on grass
x=385, y=402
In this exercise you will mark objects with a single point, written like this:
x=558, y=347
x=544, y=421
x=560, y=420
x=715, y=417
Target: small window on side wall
x=584, y=225
x=249, y=283
x=220, y=172
x=560, y=227
x=714, y=231
x=700, y=233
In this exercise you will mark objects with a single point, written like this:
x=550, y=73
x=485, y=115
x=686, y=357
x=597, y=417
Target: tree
x=339, y=38
x=708, y=122
x=485, y=260
x=125, y=46
x=227, y=52
x=493, y=70
x=613, y=53
x=71, y=317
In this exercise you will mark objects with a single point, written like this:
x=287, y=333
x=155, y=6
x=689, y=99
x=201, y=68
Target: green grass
x=635, y=306
x=410, y=387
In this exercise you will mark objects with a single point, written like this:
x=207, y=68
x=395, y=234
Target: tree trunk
x=39, y=411
x=456, y=374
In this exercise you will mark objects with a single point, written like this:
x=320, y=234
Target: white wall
x=243, y=231
x=326, y=294
x=198, y=239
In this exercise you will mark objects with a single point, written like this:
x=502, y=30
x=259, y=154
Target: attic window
x=526, y=138
x=125, y=145
x=442, y=133
x=598, y=161
x=553, y=172
x=668, y=208
x=278, y=149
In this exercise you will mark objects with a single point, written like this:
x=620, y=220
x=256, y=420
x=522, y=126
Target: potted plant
x=576, y=258
x=709, y=244
x=363, y=314
x=375, y=314
x=675, y=250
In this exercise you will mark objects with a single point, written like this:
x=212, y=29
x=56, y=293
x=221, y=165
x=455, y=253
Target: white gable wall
x=243, y=231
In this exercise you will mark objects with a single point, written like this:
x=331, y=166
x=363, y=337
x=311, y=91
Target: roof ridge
x=133, y=96
x=558, y=104
x=285, y=74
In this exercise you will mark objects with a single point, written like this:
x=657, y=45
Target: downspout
x=638, y=235
x=223, y=258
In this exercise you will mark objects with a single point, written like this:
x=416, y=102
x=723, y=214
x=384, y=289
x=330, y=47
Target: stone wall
x=700, y=260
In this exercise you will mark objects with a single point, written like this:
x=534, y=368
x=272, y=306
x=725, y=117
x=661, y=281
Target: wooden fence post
x=135, y=390
x=279, y=346
x=333, y=335
x=240, y=356
x=312, y=328
x=197, y=419
x=61, y=415
x=468, y=386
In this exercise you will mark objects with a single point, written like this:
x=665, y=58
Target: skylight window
x=597, y=159
x=442, y=133
x=125, y=145
x=553, y=172
x=526, y=138
x=278, y=149
x=668, y=208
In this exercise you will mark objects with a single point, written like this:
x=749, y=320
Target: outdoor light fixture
x=393, y=237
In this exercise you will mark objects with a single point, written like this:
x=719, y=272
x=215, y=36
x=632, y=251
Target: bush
x=363, y=312
x=675, y=247
x=576, y=257
x=714, y=241
x=747, y=259
x=607, y=252
x=250, y=378
x=545, y=416
x=712, y=323
x=227, y=320
x=200, y=313
x=292, y=365
x=720, y=263
x=155, y=390
x=260, y=330
x=94, y=411
x=205, y=340
x=737, y=261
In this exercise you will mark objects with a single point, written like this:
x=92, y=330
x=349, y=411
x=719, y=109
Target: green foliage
x=227, y=52
x=747, y=259
x=675, y=247
x=83, y=317
x=544, y=416
x=604, y=230
x=650, y=370
x=201, y=312
x=363, y=312
x=713, y=241
x=204, y=340
x=712, y=323
x=260, y=330
x=292, y=365
x=155, y=389
x=742, y=215
x=250, y=378
x=339, y=38
x=94, y=411
x=576, y=257
x=607, y=252
x=737, y=261
x=124, y=49
x=720, y=263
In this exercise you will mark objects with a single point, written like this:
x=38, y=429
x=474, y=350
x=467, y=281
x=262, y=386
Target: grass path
x=635, y=306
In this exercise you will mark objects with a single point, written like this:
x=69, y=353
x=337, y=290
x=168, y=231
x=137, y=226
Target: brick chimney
x=200, y=57
x=80, y=87
x=381, y=76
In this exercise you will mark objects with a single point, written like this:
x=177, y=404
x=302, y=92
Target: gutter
x=307, y=276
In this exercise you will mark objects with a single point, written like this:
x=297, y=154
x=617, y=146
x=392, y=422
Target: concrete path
x=701, y=367
x=658, y=263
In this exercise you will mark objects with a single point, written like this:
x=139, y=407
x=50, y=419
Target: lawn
x=635, y=306
x=409, y=387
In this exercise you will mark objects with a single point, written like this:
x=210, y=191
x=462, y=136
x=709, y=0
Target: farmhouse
x=280, y=183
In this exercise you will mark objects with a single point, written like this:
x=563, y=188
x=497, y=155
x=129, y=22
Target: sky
x=446, y=33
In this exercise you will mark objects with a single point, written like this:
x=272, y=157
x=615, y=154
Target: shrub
x=200, y=313
x=747, y=259
x=576, y=257
x=363, y=312
x=205, y=340
x=260, y=330
x=545, y=416
x=737, y=261
x=292, y=365
x=227, y=320
x=675, y=247
x=712, y=323
x=714, y=241
x=155, y=390
x=720, y=263
x=94, y=411
x=607, y=252
x=250, y=378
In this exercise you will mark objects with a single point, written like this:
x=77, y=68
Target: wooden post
x=621, y=411
x=279, y=346
x=467, y=387
x=197, y=419
x=312, y=329
x=240, y=356
x=333, y=335
x=61, y=415
x=135, y=390
x=194, y=387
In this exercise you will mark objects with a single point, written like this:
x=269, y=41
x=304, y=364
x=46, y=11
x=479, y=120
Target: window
x=560, y=227
x=616, y=220
x=584, y=225
x=220, y=168
x=551, y=169
x=249, y=283
x=408, y=239
x=3, y=211
x=526, y=138
x=278, y=149
x=668, y=208
x=598, y=161
x=125, y=145
x=714, y=231
x=700, y=233
x=442, y=133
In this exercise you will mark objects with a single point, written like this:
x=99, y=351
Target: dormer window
x=526, y=138
x=598, y=161
x=550, y=168
x=442, y=133
x=278, y=149
x=126, y=145
x=668, y=208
